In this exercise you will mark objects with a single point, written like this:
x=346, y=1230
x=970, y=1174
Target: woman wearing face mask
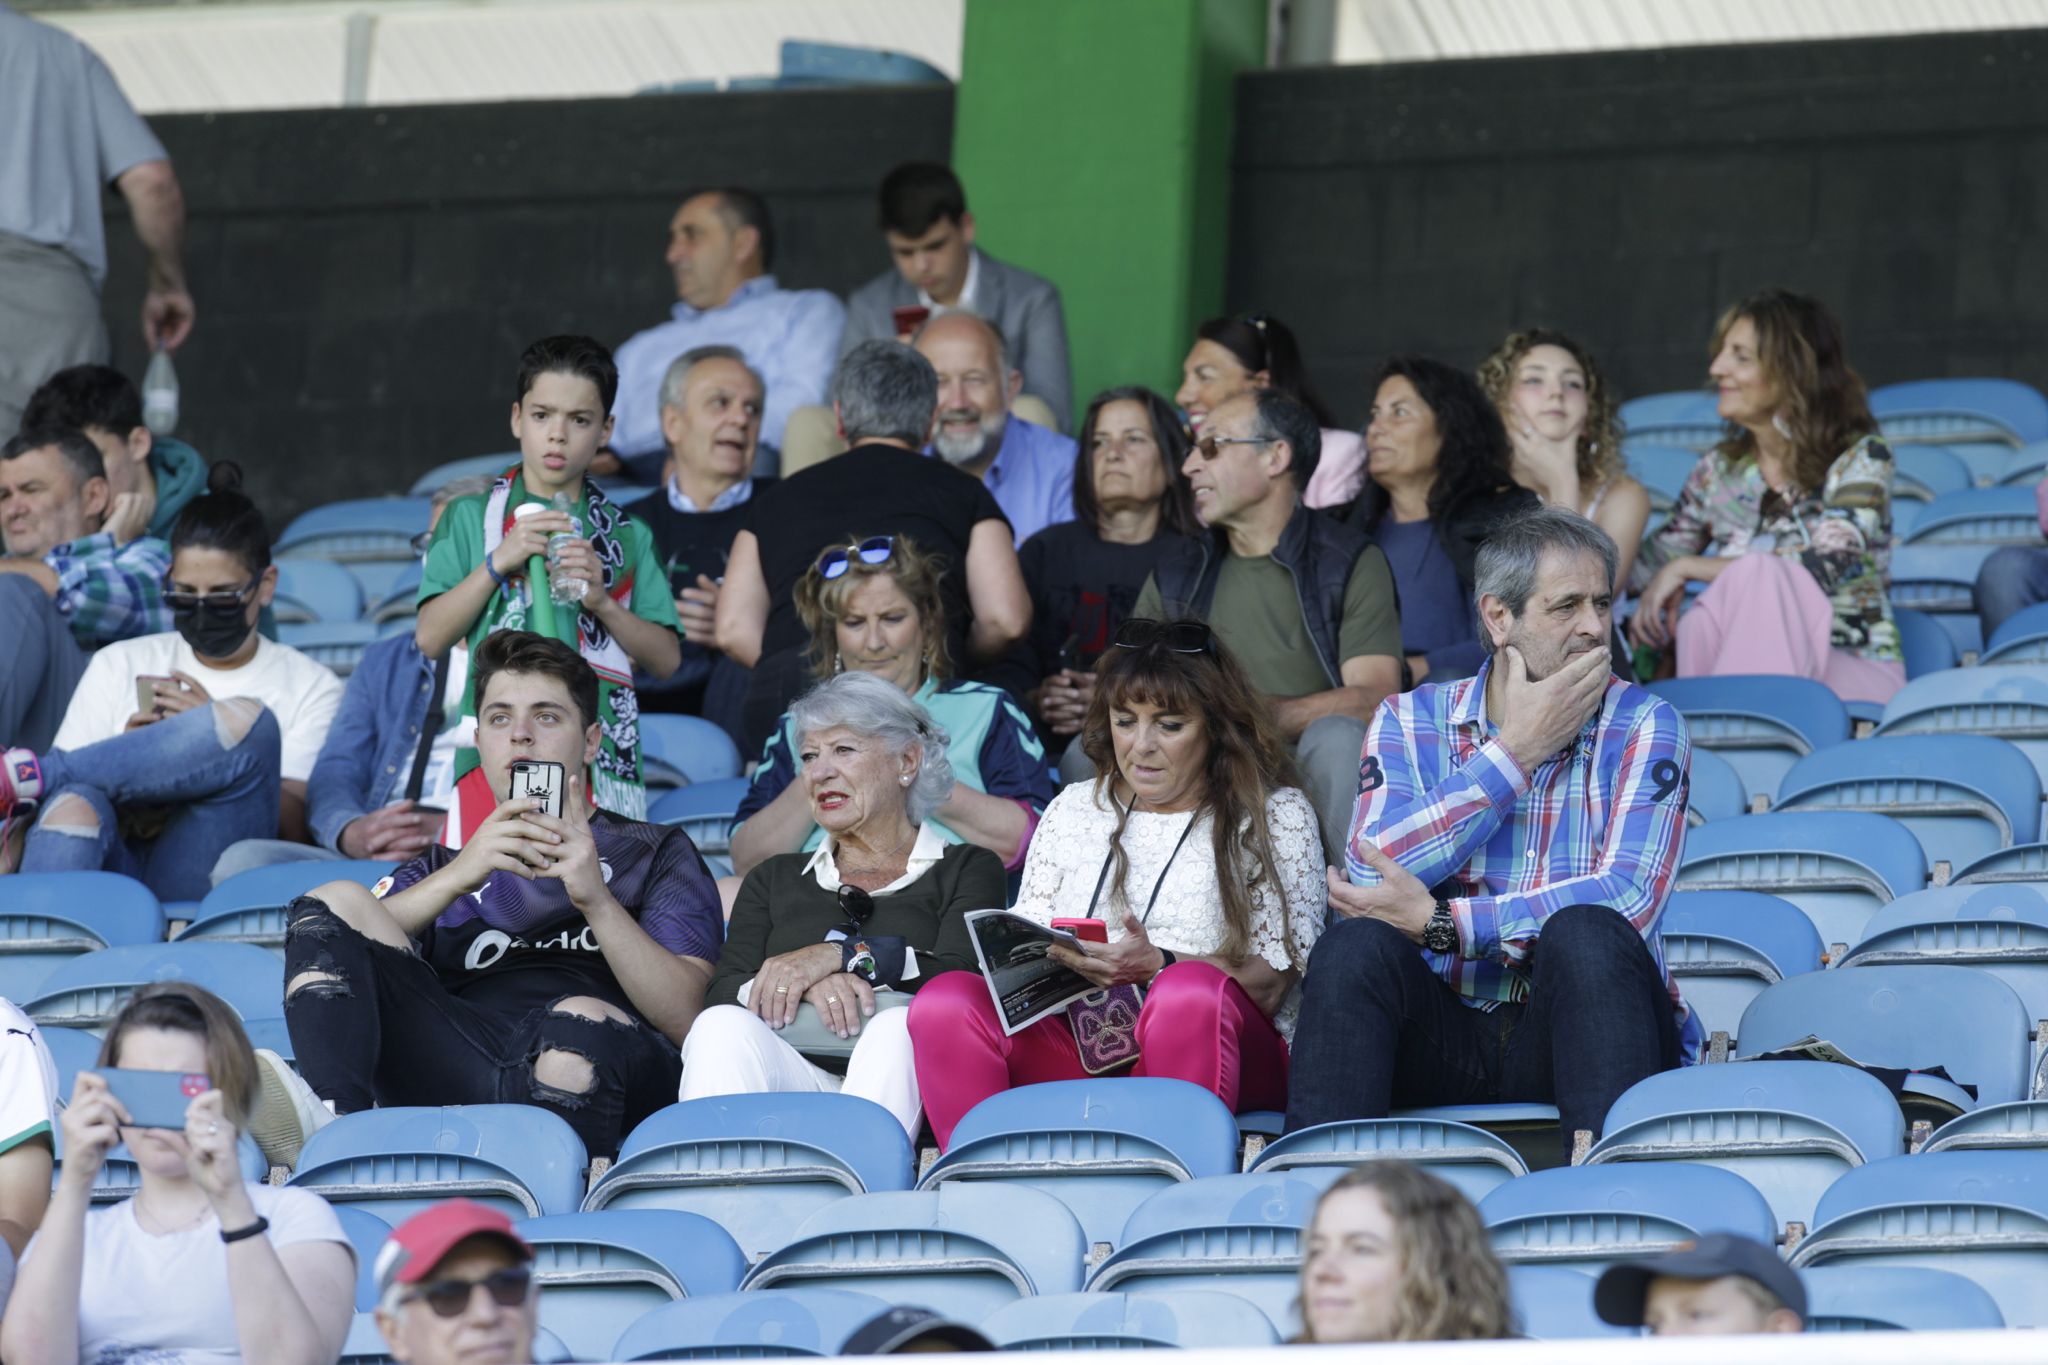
x=1233, y=356
x=1396, y=1254
x=177, y=745
x=874, y=607
x=1788, y=521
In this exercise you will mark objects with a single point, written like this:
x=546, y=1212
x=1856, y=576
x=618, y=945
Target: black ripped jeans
x=445, y=1050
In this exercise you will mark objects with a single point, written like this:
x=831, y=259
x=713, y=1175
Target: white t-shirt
x=302, y=694
x=28, y=1093
x=149, y=1300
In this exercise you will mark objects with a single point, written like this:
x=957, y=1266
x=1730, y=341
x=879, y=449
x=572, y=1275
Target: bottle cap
x=523, y=508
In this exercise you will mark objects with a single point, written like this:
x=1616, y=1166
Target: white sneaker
x=287, y=1110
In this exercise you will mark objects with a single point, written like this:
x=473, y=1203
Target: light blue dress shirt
x=1032, y=477
x=790, y=336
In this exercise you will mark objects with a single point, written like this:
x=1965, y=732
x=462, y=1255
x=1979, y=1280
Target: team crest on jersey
x=25, y=771
x=604, y=869
x=382, y=888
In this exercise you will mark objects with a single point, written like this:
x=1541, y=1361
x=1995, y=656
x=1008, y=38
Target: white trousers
x=729, y=1051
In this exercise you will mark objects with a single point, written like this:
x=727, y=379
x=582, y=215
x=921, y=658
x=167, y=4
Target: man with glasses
x=1304, y=602
x=76, y=576
x=884, y=395
x=455, y=1286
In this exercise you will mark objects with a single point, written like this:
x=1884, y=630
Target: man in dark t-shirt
x=885, y=395
x=553, y=960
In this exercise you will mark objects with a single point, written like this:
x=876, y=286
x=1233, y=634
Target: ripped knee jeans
x=585, y=1056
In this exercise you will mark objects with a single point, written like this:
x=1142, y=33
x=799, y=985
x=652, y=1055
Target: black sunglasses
x=508, y=1288
x=176, y=599
x=1180, y=637
x=873, y=550
x=856, y=905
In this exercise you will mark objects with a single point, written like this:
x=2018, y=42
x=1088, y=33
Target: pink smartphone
x=1088, y=930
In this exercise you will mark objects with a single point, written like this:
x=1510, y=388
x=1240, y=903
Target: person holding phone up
x=198, y=1265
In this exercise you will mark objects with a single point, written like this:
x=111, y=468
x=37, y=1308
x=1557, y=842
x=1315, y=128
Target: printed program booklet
x=1026, y=984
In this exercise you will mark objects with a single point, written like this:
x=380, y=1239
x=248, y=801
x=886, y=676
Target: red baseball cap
x=418, y=1244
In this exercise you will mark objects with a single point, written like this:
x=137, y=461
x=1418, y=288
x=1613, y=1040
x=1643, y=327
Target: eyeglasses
x=1180, y=637
x=856, y=905
x=178, y=600
x=508, y=1288
x=1209, y=445
x=874, y=550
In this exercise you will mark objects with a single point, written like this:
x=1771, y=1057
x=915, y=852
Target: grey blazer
x=1026, y=307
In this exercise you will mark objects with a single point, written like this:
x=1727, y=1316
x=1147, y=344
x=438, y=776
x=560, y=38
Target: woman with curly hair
x=1560, y=414
x=1199, y=852
x=1437, y=481
x=1396, y=1254
x=1788, y=521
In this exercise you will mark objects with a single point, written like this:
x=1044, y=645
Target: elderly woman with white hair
x=853, y=928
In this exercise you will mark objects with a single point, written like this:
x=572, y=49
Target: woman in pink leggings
x=1788, y=520
x=1197, y=977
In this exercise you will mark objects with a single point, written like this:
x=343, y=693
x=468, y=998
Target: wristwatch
x=1440, y=935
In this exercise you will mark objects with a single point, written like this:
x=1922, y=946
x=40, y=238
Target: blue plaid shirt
x=107, y=592
x=1599, y=823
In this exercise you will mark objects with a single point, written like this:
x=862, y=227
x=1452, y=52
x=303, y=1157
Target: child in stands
x=474, y=579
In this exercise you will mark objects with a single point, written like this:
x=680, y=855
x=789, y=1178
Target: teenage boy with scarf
x=474, y=581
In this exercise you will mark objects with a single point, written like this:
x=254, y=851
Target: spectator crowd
x=1340, y=735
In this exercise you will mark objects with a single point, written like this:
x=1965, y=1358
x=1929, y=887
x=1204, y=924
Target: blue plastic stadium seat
x=2020, y=863
x=521, y=1160
x=337, y=644
x=1593, y=1216
x=1979, y=1214
x=1714, y=790
x=1725, y=947
x=316, y=590
x=1530, y=1129
x=1100, y=1146
x=1961, y=795
x=1961, y=412
x=1978, y=516
x=1937, y=580
x=1838, y=866
x=370, y=537
x=759, y=1324
x=470, y=467
x=249, y=907
x=47, y=918
x=704, y=810
x=1761, y=723
x=1788, y=1128
x=1924, y=641
x=758, y=1165
x=72, y=1050
x=1894, y=1298
x=366, y=1233
x=1662, y=470
x=1689, y=418
x=87, y=991
x=2006, y=703
x=962, y=1249
x=2022, y=638
x=2000, y=928
x=1922, y=473
x=1555, y=1303
x=2027, y=465
x=1130, y=1322
x=1241, y=1234
x=689, y=748
x=1911, y=1018
x=399, y=602
x=810, y=63
x=598, y=1270
x=1996, y=1127
x=1468, y=1157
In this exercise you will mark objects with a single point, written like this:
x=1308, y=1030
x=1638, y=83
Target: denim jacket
x=371, y=744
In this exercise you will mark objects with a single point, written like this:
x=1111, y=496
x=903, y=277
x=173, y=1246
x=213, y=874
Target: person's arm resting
x=996, y=593
x=1368, y=680
x=743, y=602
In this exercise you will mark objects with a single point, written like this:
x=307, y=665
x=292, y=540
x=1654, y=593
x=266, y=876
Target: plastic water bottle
x=566, y=591
x=160, y=395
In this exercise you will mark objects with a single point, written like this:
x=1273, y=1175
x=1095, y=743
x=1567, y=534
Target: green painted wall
x=1093, y=137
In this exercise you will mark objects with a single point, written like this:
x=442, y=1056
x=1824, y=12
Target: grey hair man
x=455, y=1286
x=884, y=395
x=1027, y=467
x=1539, y=802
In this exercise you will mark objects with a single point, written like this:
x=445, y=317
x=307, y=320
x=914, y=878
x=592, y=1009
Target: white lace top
x=1071, y=841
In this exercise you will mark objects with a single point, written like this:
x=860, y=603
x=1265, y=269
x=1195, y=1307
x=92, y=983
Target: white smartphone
x=531, y=777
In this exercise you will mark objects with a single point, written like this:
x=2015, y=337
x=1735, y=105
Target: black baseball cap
x=1618, y=1297
x=900, y=1329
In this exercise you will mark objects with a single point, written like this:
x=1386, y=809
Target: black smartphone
x=532, y=777
x=154, y=1099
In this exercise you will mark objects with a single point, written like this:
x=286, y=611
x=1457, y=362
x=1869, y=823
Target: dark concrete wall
x=1627, y=197
x=366, y=278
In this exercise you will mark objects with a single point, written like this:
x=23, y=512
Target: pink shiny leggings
x=1196, y=1025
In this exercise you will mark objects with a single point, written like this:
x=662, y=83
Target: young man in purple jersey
x=550, y=961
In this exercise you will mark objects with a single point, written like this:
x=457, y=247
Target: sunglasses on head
x=1179, y=637
x=177, y=599
x=874, y=550
x=508, y=1288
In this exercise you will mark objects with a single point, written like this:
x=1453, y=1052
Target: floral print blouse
x=1841, y=534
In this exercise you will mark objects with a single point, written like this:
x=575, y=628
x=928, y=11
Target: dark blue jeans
x=2011, y=580
x=181, y=780
x=1378, y=1031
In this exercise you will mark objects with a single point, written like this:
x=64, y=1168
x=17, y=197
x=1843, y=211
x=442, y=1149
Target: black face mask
x=214, y=632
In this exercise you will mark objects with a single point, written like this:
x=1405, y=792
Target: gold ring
x=831, y=999
x=782, y=990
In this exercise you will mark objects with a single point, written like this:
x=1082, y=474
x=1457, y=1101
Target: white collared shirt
x=965, y=303
x=731, y=497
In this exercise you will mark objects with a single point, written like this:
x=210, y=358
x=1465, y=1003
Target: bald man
x=1029, y=469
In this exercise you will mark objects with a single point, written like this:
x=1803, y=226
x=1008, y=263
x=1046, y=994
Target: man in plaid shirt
x=74, y=577
x=1515, y=838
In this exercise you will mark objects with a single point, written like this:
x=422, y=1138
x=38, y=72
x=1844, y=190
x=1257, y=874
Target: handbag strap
x=1110, y=856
